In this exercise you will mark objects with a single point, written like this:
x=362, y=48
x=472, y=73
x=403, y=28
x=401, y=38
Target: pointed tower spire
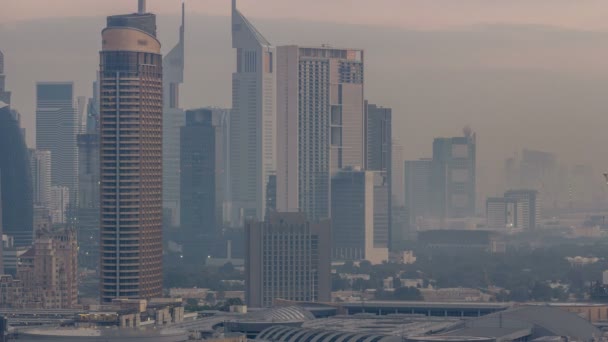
x=182, y=29
x=233, y=6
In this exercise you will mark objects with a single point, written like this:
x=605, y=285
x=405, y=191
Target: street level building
x=287, y=257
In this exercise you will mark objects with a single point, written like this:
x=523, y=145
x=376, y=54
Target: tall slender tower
x=173, y=120
x=253, y=119
x=131, y=103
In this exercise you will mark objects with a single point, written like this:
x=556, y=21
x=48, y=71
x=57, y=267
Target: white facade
x=60, y=200
x=40, y=163
x=253, y=120
x=173, y=120
x=320, y=124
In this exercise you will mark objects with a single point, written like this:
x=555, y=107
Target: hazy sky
x=429, y=14
x=522, y=73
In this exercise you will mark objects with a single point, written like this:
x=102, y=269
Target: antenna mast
x=141, y=8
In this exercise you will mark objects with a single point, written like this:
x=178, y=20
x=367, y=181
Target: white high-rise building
x=56, y=130
x=173, y=120
x=60, y=200
x=40, y=164
x=320, y=124
x=253, y=120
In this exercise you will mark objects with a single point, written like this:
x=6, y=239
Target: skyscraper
x=88, y=185
x=320, y=124
x=56, y=130
x=417, y=190
x=173, y=120
x=16, y=180
x=252, y=121
x=453, y=176
x=356, y=205
x=5, y=96
x=378, y=157
x=198, y=181
x=40, y=164
x=60, y=201
x=287, y=257
x=130, y=81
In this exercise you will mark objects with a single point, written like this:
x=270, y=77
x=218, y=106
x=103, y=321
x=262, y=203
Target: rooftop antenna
x=233, y=5
x=141, y=8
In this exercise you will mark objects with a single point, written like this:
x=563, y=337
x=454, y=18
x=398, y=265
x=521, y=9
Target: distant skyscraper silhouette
x=198, y=182
x=88, y=185
x=252, y=121
x=173, y=120
x=16, y=179
x=378, y=157
x=453, y=176
x=56, y=130
x=130, y=82
x=320, y=123
x=417, y=191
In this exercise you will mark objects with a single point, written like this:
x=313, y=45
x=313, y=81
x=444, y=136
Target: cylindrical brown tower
x=131, y=158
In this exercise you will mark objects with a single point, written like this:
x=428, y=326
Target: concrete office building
x=15, y=179
x=320, y=123
x=417, y=190
x=287, y=257
x=56, y=130
x=60, y=202
x=527, y=214
x=453, y=176
x=131, y=87
x=252, y=121
x=355, y=210
x=198, y=182
x=173, y=120
x=40, y=164
x=501, y=213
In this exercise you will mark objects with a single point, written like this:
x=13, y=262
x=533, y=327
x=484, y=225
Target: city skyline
x=310, y=174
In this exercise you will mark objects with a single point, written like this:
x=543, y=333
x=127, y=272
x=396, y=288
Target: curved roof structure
x=538, y=321
x=291, y=334
x=283, y=314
